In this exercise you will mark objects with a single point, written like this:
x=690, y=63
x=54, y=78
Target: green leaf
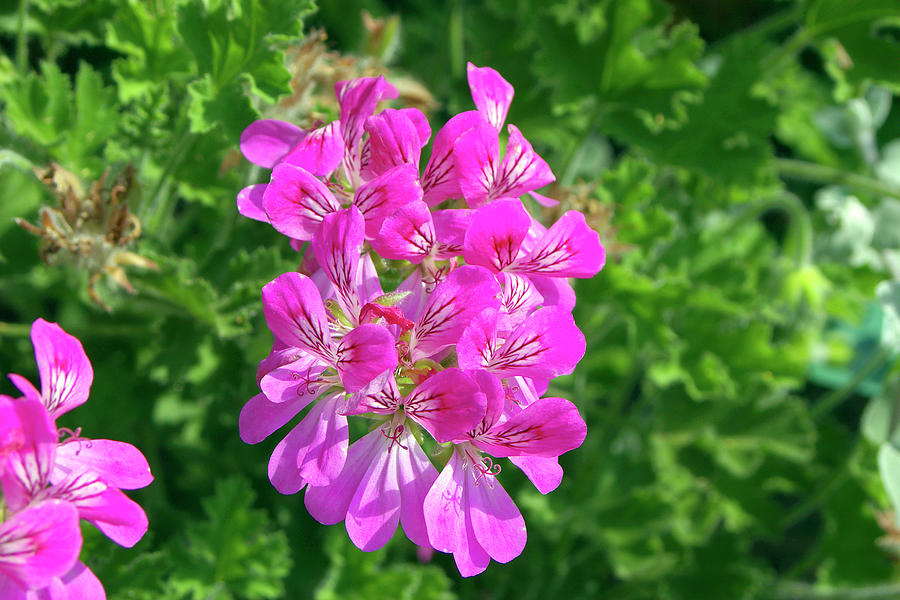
x=39, y=106
x=209, y=107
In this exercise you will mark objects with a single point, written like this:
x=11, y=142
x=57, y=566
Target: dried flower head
x=89, y=228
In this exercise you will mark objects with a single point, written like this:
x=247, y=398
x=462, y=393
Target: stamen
x=73, y=436
x=393, y=436
x=307, y=381
x=486, y=468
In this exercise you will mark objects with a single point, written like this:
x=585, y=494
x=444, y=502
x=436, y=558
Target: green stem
x=805, y=591
x=801, y=225
x=798, y=169
x=14, y=329
x=22, y=38
x=827, y=404
x=161, y=200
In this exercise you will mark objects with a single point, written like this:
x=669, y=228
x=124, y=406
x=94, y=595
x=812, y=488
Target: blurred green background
x=740, y=159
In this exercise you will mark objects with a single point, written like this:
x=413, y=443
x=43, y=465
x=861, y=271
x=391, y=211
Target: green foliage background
x=742, y=162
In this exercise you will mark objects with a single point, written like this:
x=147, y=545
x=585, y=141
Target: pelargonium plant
x=53, y=477
x=451, y=367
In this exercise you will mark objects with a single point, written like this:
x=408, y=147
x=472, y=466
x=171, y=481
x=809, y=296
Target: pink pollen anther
x=394, y=436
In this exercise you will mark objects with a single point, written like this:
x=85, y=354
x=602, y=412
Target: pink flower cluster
x=451, y=366
x=53, y=477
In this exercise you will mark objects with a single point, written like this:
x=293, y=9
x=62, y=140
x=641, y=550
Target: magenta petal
x=328, y=504
x=444, y=511
x=439, y=181
x=543, y=200
x=320, y=152
x=447, y=404
x=546, y=345
x=522, y=170
x=358, y=99
x=250, y=202
x=406, y=235
x=416, y=475
x=455, y=301
x=496, y=521
x=478, y=342
x=379, y=198
x=29, y=463
x=296, y=202
x=471, y=558
x=520, y=298
x=336, y=249
x=476, y=158
x=496, y=233
x=261, y=417
x=548, y=427
x=374, y=511
x=393, y=140
x=543, y=471
x=50, y=533
x=313, y=452
x=116, y=515
x=569, y=249
x=491, y=93
x=119, y=464
x=81, y=584
x=556, y=291
x=296, y=315
x=420, y=121
x=23, y=385
x=266, y=141
x=66, y=373
x=450, y=228
x=363, y=354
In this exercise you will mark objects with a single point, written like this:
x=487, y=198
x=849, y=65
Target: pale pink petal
x=444, y=509
x=476, y=158
x=546, y=345
x=548, y=427
x=406, y=235
x=544, y=200
x=66, y=373
x=328, y=504
x=447, y=404
x=295, y=314
x=544, y=472
x=313, y=452
x=116, y=515
x=522, y=170
x=416, y=475
x=250, y=202
x=296, y=202
x=439, y=181
x=320, y=152
x=367, y=283
x=39, y=543
x=81, y=584
x=495, y=234
x=491, y=93
x=336, y=249
x=413, y=304
x=363, y=354
x=374, y=511
x=119, y=464
x=10, y=590
x=266, y=141
x=496, y=521
x=556, y=291
x=471, y=558
x=569, y=249
x=455, y=301
x=393, y=140
x=379, y=198
x=261, y=417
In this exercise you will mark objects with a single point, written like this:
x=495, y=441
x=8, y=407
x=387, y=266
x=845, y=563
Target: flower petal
x=364, y=354
x=546, y=345
x=358, y=99
x=66, y=373
x=250, y=202
x=320, y=152
x=393, y=140
x=455, y=301
x=443, y=507
x=549, y=427
x=39, y=543
x=336, y=249
x=496, y=521
x=408, y=234
x=296, y=202
x=543, y=471
x=450, y=228
x=440, y=181
x=261, y=417
x=81, y=584
x=519, y=299
x=374, y=511
x=29, y=463
x=119, y=464
x=556, y=291
x=476, y=158
x=119, y=517
x=416, y=475
x=296, y=315
x=447, y=404
x=266, y=141
x=379, y=198
x=522, y=170
x=495, y=235
x=491, y=93
x=296, y=380
x=569, y=249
